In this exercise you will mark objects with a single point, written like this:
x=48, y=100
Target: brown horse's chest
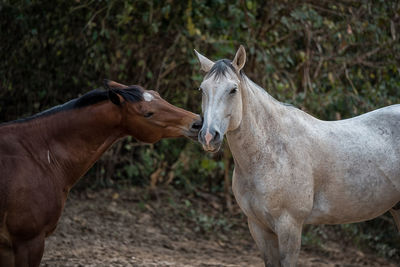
x=35, y=203
x=54, y=214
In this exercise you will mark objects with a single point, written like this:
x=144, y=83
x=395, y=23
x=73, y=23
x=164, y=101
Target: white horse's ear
x=240, y=59
x=205, y=63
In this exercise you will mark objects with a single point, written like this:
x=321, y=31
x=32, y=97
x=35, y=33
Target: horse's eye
x=148, y=114
x=233, y=91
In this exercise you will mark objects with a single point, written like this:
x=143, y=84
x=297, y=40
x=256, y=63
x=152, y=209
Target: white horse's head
x=221, y=101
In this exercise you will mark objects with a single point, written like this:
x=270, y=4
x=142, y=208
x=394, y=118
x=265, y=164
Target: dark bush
x=333, y=59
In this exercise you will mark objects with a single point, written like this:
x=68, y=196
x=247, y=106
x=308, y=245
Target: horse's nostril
x=216, y=136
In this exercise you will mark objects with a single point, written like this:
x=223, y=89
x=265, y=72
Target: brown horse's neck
x=68, y=143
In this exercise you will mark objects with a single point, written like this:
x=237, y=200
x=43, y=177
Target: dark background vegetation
x=333, y=59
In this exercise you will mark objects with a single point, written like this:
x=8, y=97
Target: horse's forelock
x=220, y=68
x=133, y=93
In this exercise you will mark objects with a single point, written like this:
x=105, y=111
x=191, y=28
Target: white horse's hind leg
x=289, y=237
x=267, y=243
x=396, y=217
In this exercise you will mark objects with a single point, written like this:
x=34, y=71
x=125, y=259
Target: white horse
x=292, y=169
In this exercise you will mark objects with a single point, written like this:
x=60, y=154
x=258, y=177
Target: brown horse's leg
x=29, y=252
x=396, y=217
x=6, y=252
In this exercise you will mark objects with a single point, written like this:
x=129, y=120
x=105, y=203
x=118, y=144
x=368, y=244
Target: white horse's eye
x=233, y=90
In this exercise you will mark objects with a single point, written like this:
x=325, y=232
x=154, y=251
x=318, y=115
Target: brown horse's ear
x=114, y=97
x=113, y=85
x=240, y=59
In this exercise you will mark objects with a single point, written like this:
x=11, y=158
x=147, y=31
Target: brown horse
x=43, y=156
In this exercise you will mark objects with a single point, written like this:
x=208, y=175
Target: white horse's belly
x=353, y=204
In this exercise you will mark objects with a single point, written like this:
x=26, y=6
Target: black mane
x=132, y=94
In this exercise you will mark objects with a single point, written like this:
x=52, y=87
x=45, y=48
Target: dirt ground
x=121, y=228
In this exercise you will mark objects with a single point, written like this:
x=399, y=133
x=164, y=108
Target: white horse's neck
x=263, y=121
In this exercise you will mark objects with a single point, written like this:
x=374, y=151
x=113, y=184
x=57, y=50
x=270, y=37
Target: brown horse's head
x=148, y=117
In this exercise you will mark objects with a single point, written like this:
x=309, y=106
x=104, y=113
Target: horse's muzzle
x=211, y=139
x=195, y=128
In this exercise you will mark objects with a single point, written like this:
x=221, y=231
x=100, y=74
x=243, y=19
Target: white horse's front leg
x=288, y=230
x=267, y=243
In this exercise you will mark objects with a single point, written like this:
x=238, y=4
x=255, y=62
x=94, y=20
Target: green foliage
x=376, y=234
x=331, y=58
x=312, y=237
x=334, y=59
x=205, y=223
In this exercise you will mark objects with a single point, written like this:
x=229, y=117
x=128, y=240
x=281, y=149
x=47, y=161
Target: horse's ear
x=205, y=63
x=240, y=59
x=114, y=97
x=113, y=85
